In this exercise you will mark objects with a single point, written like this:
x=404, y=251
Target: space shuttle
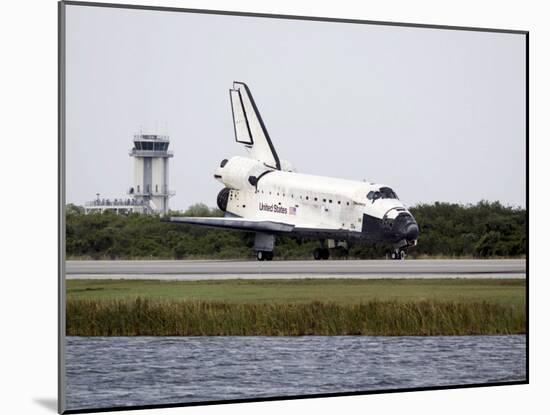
x=265, y=195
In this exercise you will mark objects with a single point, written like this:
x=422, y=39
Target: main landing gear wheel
x=317, y=254
x=321, y=253
x=264, y=255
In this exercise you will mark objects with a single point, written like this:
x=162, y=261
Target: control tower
x=151, y=158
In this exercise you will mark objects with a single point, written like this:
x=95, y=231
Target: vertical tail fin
x=249, y=126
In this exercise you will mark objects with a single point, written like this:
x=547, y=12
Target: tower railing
x=115, y=202
x=142, y=193
x=151, y=153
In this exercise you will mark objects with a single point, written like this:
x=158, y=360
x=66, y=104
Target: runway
x=202, y=270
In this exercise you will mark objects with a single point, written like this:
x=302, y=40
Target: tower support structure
x=151, y=168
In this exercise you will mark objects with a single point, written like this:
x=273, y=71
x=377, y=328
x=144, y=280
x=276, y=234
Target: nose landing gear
x=399, y=250
x=397, y=254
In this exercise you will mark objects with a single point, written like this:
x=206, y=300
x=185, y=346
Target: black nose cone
x=406, y=227
x=411, y=232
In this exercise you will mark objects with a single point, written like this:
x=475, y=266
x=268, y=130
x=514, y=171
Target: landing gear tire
x=317, y=254
x=399, y=254
x=264, y=255
x=321, y=253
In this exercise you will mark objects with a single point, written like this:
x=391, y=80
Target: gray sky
x=438, y=115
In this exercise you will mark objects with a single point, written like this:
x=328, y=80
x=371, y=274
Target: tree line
x=483, y=230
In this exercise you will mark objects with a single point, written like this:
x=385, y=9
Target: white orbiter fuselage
x=264, y=195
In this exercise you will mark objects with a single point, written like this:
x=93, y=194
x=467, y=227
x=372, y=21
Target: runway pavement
x=200, y=270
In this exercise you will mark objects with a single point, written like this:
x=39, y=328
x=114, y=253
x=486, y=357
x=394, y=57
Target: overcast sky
x=439, y=115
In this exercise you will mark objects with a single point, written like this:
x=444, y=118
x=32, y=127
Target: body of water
x=127, y=371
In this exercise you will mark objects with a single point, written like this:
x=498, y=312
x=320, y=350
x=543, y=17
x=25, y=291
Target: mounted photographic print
x=256, y=207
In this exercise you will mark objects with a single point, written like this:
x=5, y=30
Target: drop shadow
x=48, y=403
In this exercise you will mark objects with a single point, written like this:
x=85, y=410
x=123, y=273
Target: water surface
x=129, y=371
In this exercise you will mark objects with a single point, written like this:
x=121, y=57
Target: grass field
x=295, y=307
x=342, y=291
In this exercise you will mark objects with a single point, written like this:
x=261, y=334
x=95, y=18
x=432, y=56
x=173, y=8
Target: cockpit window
x=388, y=193
x=384, y=193
x=373, y=195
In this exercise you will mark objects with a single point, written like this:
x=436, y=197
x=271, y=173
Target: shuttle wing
x=249, y=126
x=253, y=225
x=236, y=223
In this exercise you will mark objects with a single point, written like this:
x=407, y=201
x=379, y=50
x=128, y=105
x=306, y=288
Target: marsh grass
x=145, y=317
